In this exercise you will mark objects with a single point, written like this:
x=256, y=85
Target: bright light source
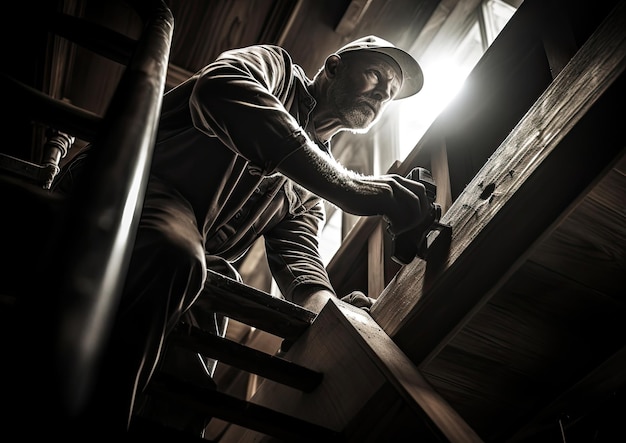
x=443, y=80
x=445, y=70
x=446, y=79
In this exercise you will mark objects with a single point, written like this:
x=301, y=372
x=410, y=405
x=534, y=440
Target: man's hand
x=359, y=299
x=408, y=206
x=317, y=299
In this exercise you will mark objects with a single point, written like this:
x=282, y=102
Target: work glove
x=359, y=299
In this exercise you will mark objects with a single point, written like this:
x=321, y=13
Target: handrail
x=98, y=234
x=56, y=113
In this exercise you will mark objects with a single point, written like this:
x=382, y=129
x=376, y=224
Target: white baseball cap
x=412, y=75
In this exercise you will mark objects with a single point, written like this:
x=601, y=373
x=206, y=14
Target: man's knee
x=165, y=269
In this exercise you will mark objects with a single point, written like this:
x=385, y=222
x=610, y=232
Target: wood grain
x=362, y=366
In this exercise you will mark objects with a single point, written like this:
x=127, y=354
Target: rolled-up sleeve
x=293, y=252
x=240, y=98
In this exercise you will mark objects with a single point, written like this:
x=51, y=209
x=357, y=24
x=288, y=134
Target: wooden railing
x=77, y=273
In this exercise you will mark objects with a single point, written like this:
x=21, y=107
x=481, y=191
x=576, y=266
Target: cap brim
x=412, y=75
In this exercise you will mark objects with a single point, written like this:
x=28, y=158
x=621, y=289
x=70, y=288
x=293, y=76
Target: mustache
x=376, y=106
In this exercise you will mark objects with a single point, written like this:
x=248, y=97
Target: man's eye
x=374, y=74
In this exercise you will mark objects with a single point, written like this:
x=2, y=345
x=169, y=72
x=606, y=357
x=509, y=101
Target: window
x=445, y=68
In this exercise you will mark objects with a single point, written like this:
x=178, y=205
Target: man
x=243, y=151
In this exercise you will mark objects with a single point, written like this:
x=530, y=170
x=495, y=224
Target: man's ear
x=331, y=65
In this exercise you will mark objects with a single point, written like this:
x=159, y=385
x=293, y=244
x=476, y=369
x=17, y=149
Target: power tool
x=414, y=243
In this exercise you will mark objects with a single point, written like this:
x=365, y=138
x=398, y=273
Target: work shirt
x=222, y=134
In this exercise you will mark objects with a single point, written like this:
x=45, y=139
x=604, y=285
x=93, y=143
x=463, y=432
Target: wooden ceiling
x=309, y=30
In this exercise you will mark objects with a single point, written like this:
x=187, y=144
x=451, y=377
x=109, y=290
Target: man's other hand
x=359, y=299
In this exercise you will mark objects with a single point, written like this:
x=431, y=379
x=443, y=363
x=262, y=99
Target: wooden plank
x=590, y=245
x=441, y=175
x=539, y=170
x=558, y=37
x=361, y=366
x=352, y=16
x=245, y=358
x=254, y=307
x=541, y=334
x=376, y=261
x=214, y=403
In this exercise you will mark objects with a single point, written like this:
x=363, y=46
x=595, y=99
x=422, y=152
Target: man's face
x=363, y=87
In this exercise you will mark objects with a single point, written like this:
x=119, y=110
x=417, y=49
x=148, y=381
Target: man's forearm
x=402, y=201
x=313, y=299
x=328, y=179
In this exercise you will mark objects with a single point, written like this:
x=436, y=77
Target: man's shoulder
x=266, y=56
x=260, y=50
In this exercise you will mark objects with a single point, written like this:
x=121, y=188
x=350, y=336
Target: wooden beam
x=569, y=137
x=362, y=367
x=376, y=261
x=441, y=175
x=558, y=37
x=213, y=403
x=352, y=16
x=245, y=358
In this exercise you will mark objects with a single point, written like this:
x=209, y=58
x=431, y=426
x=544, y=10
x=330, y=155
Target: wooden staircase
x=347, y=369
x=260, y=310
x=482, y=342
